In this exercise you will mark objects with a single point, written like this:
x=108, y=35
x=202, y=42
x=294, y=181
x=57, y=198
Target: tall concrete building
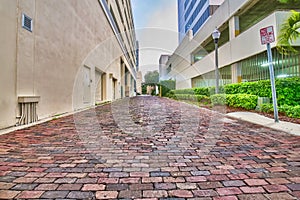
x=137, y=56
x=192, y=14
x=59, y=56
x=163, y=68
x=138, y=83
x=242, y=57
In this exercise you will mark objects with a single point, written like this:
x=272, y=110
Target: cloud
x=165, y=16
x=159, y=36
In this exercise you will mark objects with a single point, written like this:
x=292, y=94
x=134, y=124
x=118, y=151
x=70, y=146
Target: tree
x=152, y=77
x=289, y=32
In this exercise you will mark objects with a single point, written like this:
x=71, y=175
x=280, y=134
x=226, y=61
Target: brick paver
x=149, y=148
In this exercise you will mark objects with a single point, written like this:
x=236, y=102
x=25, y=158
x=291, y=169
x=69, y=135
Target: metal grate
x=26, y=22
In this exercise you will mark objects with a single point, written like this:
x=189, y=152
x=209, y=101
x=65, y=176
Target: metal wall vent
x=26, y=22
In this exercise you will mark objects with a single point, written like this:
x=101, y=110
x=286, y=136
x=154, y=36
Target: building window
x=26, y=22
x=196, y=13
x=188, y=11
x=186, y=3
x=198, y=55
x=256, y=67
x=209, y=79
x=201, y=21
x=115, y=20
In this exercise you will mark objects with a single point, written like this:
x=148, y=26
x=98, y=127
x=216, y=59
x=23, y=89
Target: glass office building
x=192, y=14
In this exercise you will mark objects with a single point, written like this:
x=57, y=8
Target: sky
x=156, y=29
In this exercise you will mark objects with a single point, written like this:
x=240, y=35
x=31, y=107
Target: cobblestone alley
x=149, y=148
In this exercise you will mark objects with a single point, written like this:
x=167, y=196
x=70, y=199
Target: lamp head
x=216, y=35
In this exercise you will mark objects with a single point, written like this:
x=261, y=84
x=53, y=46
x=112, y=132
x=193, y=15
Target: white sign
x=267, y=35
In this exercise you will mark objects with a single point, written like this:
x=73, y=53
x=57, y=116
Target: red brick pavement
x=149, y=148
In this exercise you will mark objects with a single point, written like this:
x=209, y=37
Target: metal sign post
x=267, y=37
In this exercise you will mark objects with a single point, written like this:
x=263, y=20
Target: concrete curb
x=255, y=118
x=15, y=128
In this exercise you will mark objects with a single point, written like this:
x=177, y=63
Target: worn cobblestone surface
x=149, y=148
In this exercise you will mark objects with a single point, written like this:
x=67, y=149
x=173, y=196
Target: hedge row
x=194, y=91
x=288, y=90
x=189, y=97
x=167, y=85
x=290, y=111
x=247, y=101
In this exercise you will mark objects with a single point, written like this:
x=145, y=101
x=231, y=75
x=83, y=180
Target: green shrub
x=293, y=112
x=246, y=101
x=203, y=99
x=259, y=88
x=190, y=97
x=184, y=91
x=212, y=90
x=167, y=86
x=284, y=109
x=171, y=95
x=290, y=111
x=201, y=91
x=288, y=90
x=218, y=99
x=267, y=108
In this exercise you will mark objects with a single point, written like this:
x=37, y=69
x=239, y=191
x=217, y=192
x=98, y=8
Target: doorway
x=103, y=87
x=86, y=85
x=114, y=88
x=98, y=81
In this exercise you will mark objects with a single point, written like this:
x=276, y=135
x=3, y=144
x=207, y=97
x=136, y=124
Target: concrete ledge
x=255, y=118
x=28, y=99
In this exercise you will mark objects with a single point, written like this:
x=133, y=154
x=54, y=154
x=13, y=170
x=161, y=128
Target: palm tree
x=289, y=32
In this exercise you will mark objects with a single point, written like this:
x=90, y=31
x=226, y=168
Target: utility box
x=28, y=109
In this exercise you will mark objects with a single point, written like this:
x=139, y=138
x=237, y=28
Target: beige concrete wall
x=68, y=36
x=8, y=99
x=98, y=86
x=65, y=34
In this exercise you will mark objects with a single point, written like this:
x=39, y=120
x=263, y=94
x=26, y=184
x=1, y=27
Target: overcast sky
x=156, y=29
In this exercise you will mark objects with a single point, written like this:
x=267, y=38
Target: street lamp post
x=216, y=35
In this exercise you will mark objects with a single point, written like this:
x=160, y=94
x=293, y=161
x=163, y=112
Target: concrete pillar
x=234, y=27
x=190, y=35
x=236, y=73
x=127, y=83
x=234, y=30
x=122, y=81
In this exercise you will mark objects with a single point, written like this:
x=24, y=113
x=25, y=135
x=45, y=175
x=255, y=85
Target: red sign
x=267, y=35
